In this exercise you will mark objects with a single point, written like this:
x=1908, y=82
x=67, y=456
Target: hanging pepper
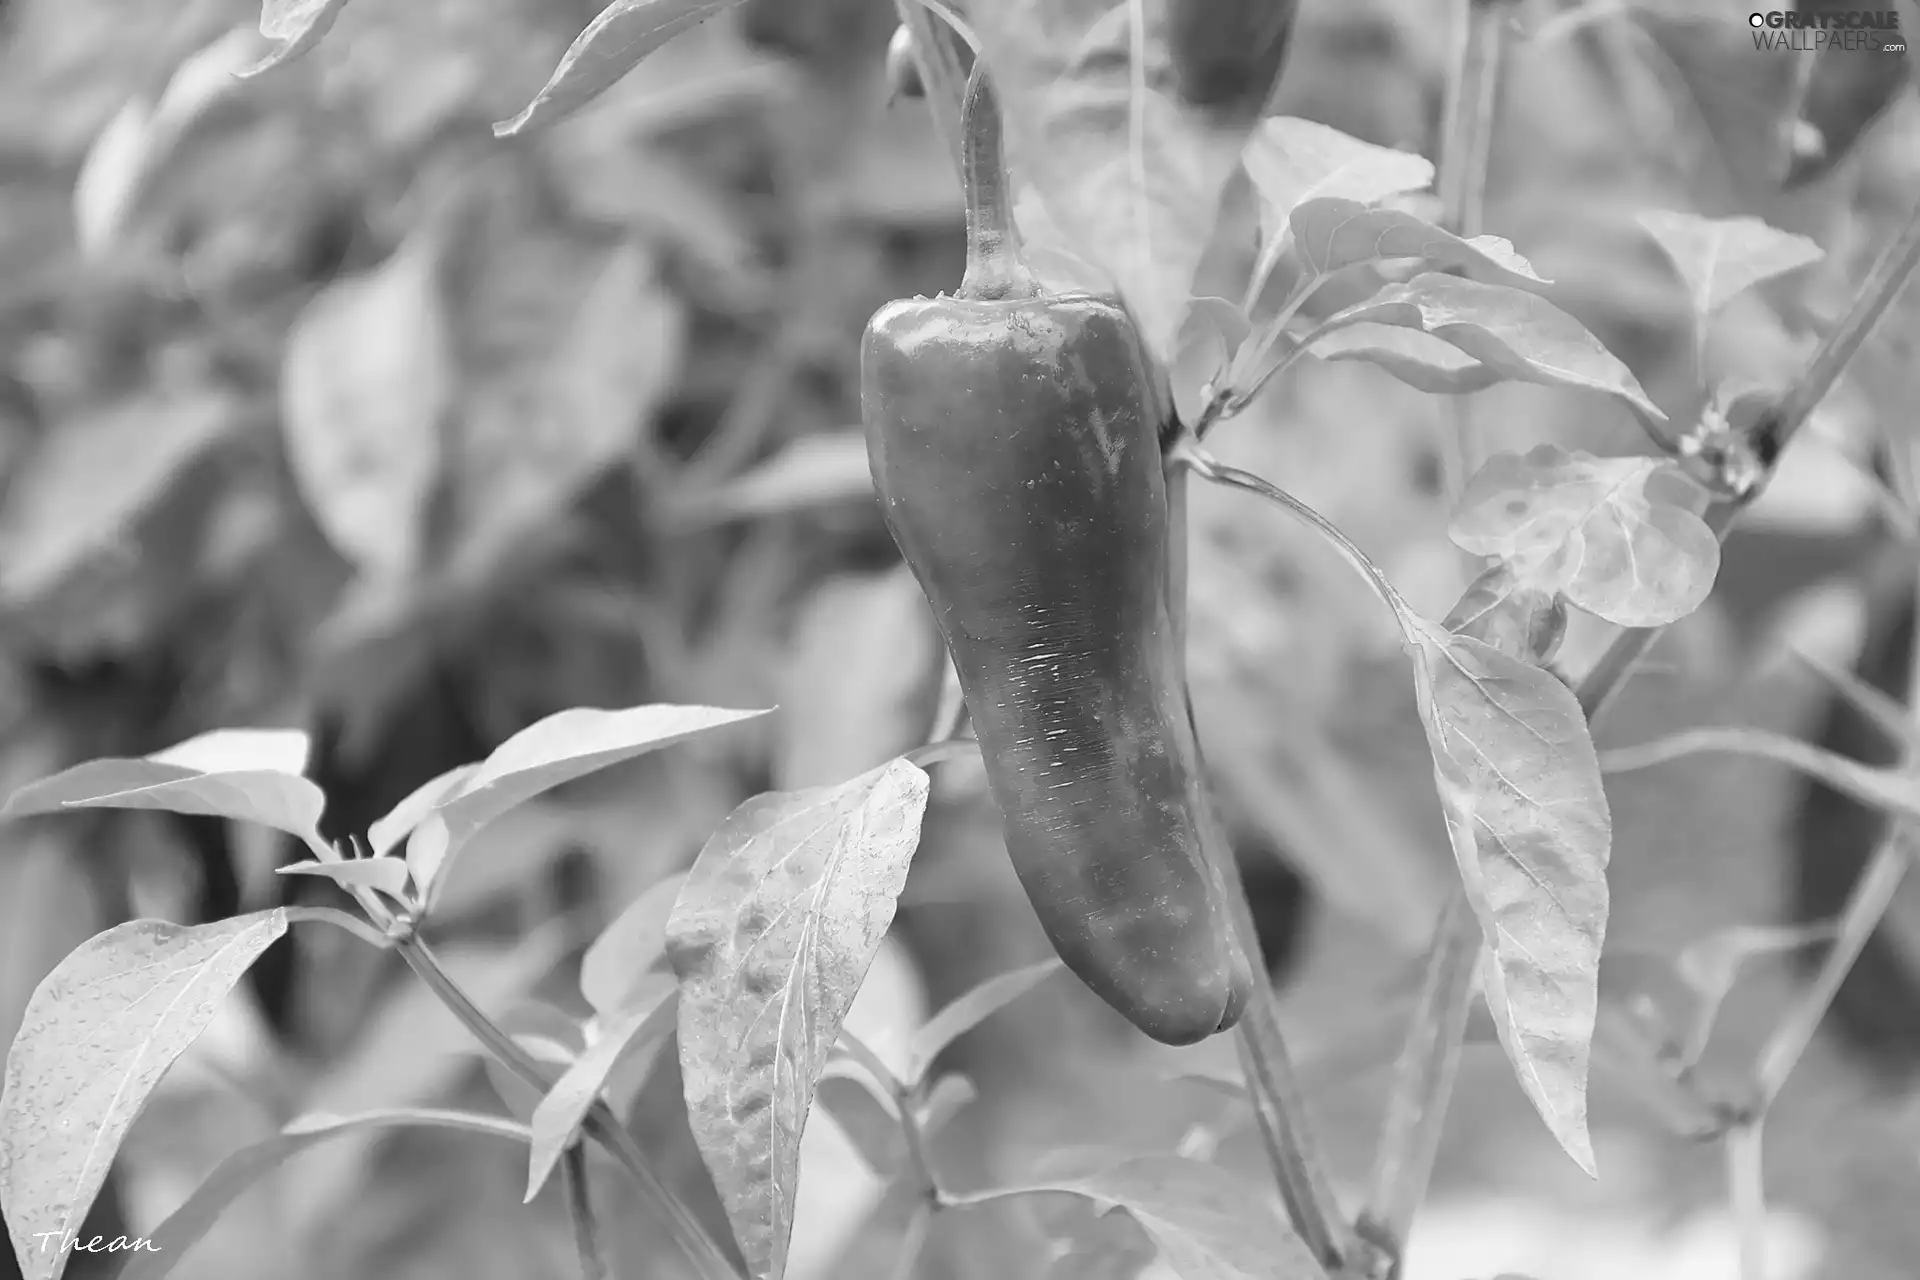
x=1013, y=436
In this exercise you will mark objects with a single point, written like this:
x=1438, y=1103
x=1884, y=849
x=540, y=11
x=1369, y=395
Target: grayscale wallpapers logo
x=1832, y=31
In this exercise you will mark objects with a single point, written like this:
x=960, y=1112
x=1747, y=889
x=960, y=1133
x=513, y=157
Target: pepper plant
x=1019, y=402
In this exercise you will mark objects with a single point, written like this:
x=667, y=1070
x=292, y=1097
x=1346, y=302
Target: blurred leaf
x=815, y=470
x=1422, y=361
x=1208, y=1223
x=871, y=1124
x=1520, y=334
x=595, y=344
x=640, y=1030
x=400, y=821
x=139, y=141
x=1620, y=537
x=1527, y=815
x=771, y=938
x=550, y=1038
x=367, y=381
x=564, y=746
x=1711, y=965
x=98, y=1035
x=625, y=32
x=294, y=26
x=285, y=801
x=1292, y=161
x=1520, y=620
x=508, y=856
x=1332, y=233
x=1719, y=258
x=1210, y=333
x=91, y=477
x=242, y=1171
x=388, y=875
x=1130, y=174
x=857, y=688
x=615, y=967
x=1742, y=103
x=973, y=1007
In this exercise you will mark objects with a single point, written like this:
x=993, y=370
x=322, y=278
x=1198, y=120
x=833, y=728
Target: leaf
x=91, y=477
x=243, y=1170
x=1211, y=332
x=1420, y=360
x=294, y=26
x=284, y=801
x=228, y=750
x=1131, y=176
x=613, y=44
x=1519, y=620
x=1208, y=1223
x=615, y=967
x=780, y=918
x=1527, y=816
x=582, y=347
x=388, y=875
x=98, y=1035
x=1711, y=966
x=816, y=470
x=1618, y=536
x=1331, y=233
x=641, y=1029
x=1520, y=334
x=1719, y=258
x=400, y=821
x=365, y=385
x=972, y=1008
x=566, y=745
x=1292, y=160
x=868, y=1119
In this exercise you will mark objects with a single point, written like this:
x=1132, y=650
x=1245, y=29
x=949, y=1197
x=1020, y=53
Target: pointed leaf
x=780, y=918
x=294, y=26
x=1208, y=1223
x=613, y=44
x=970, y=1010
x=283, y=801
x=367, y=379
x=1527, y=815
x=388, y=875
x=99, y=1033
x=1420, y=360
x=1518, y=333
x=564, y=746
x=1720, y=258
x=616, y=965
x=1292, y=160
x=244, y=1169
x=641, y=1030
x=1619, y=536
x=399, y=823
x=1330, y=234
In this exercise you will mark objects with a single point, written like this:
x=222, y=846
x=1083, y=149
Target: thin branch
x=341, y=920
x=1423, y=1080
x=1866, y=904
x=915, y=1239
x=573, y=1177
x=1746, y=1192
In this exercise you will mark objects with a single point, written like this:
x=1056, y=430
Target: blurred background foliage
x=319, y=406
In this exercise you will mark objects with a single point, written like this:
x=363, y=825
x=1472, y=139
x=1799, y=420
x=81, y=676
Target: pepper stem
x=994, y=268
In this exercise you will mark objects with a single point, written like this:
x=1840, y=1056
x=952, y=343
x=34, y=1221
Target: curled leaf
x=1620, y=537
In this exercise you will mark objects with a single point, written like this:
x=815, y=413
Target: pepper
x=903, y=70
x=1013, y=437
x=1227, y=54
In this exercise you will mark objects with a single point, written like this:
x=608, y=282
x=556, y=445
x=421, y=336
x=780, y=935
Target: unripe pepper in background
x=1227, y=53
x=1013, y=437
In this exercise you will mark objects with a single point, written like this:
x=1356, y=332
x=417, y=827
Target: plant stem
x=1746, y=1191
x=1423, y=1081
x=914, y=1241
x=1866, y=904
x=994, y=269
x=600, y=1123
x=573, y=1177
x=341, y=920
